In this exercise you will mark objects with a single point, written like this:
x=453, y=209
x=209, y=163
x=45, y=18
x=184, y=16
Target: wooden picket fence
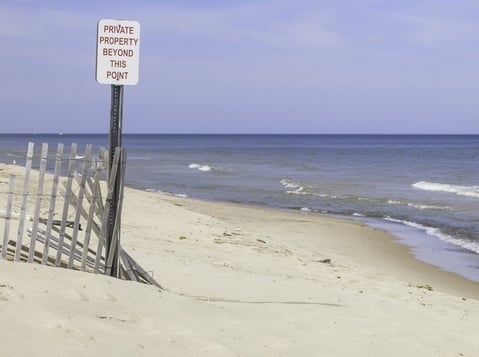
x=65, y=223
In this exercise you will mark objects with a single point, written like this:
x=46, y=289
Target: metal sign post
x=116, y=117
x=117, y=64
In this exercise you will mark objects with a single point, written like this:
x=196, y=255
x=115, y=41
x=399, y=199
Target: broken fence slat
x=24, y=251
x=66, y=250
x=141, y=272
x=127, y=267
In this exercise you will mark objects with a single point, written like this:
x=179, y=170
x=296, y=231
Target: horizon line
x=239, y=134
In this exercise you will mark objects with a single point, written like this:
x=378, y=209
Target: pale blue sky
x=252, y=66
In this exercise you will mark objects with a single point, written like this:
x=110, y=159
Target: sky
x=247, y=66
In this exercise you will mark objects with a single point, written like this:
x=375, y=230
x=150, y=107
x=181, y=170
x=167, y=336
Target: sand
x=241, y=281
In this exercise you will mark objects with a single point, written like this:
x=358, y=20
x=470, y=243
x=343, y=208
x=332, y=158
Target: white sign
x=117, y=52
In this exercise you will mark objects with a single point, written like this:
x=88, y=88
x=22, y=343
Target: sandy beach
x=240, y=281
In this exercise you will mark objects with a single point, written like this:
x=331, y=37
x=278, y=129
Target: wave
x=208, y=168
x=166, y=193
x=204, y=168
x=432, y=207
x=436, y=232
x=300, y=189
x=420, y=206
x=296, y=188
x=470, y=191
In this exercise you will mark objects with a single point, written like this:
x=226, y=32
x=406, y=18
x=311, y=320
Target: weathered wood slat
x=127, y=267
x=88, y=195
x=66, y=202
x=84, y=213
x=53, y=198
x=36, y=216
x=141, y=272
x=90, y=223
x=8, y=216
x=79, y=208
x=67, y=250
x=21, y=225
x=100, y=167
x=12, y=248
x=92, y=192
x=79, y=244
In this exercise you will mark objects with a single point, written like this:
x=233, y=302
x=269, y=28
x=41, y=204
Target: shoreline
x=444, y=255
x=394, y=256
x=241, y=280
x=435, y=251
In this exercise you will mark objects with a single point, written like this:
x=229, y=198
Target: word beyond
x=117, y=52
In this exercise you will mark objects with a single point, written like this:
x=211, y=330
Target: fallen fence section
x=65, y=215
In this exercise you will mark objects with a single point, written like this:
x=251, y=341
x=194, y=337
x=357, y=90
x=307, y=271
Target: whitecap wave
x=296, y=188
x=204, y=168
x=431, y=207
x=420, y=206
x=470, y=191
x=436, y=232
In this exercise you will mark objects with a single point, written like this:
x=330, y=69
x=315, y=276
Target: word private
x=118, y=46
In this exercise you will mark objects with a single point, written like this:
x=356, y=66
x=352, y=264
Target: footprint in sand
x=111, y=298
x=5, y=292
x=79, y=295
